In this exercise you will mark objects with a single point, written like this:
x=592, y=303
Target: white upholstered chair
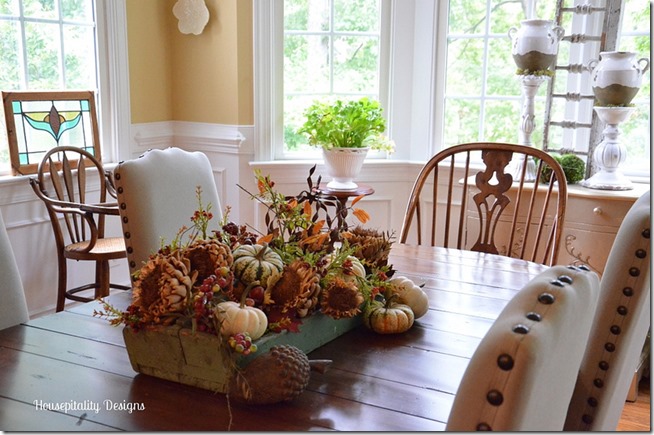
x=13, y=309
x=620, y=327
x=522, y=375
x=157, y=195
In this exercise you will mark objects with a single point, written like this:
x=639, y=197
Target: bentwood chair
x=13, y=309
x=619, y=329
x=522, y=375
x=480, y=197
x=72, y=184
x=157, y=195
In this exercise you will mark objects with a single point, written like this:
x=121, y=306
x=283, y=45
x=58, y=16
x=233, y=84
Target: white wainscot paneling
x=32, y=240
x=391, y=180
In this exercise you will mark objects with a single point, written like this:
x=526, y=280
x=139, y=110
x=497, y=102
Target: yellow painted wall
x=150, y=60
x=196, y=78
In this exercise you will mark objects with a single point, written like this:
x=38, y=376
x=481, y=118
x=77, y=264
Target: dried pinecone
x=299, y=287
x=341, y=299
x=372, y=247
x=206, y=256
x=162, y=287
x=279, y=375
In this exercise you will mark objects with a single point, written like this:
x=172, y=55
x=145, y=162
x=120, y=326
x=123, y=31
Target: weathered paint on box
x=177, y=354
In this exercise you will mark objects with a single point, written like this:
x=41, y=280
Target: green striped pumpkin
x=257, y=263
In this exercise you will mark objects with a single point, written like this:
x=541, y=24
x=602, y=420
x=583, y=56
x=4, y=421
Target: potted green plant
x=346, y=130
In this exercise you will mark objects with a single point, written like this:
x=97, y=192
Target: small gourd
x=237, y=317
x=257, y=263
x=389, y=317
x=410, y=294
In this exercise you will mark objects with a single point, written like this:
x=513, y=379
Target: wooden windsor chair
x=480, y=197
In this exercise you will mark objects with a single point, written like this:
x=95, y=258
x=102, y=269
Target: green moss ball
x=573, y=166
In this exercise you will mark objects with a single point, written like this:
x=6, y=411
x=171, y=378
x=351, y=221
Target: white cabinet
x=592, y=220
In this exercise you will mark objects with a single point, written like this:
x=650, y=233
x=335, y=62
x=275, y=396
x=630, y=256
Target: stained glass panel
x=40, y=121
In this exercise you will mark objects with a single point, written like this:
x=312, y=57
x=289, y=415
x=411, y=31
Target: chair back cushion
x=157, y=195
x=13, y=309
x=522, y=375
x=620, y=327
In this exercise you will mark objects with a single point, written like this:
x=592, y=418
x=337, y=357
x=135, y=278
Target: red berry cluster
x=234, y=235
x=132, y=318
x=205, y=298
x=321, y=265
x=242, y=343
x=202, y=307
x=201, y=216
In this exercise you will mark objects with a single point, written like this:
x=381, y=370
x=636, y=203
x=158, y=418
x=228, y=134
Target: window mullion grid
x=484, y=71
x=23, y=47
x=332, y=11
x=62, y=62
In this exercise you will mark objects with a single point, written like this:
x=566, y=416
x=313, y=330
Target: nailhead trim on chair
x=565, y=279
x=546, y=298
x=615, y=330
x=505, y=361
x=534, y=316
x=521, y=329
x=495, y=397
x=126, y=234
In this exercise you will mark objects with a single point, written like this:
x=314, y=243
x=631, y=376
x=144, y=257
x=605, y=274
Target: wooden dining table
x=71, y=371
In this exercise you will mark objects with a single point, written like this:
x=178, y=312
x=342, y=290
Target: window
x=69, y=44
x=331, y=49
x=635, y=134
x=326, y=49
x=482, y=90
x=450, y=73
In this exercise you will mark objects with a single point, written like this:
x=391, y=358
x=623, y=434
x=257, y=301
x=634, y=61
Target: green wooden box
x=177, y=354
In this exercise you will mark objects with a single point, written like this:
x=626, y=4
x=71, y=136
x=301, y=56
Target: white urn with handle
x=616, y=77
x=536, y=44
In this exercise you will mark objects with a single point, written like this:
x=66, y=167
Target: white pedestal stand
x=610, y=153
x=530, y=85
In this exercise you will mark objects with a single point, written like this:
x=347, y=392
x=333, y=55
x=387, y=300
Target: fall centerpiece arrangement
x=223, y=308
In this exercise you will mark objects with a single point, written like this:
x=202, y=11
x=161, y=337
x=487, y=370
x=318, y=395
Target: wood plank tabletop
x=71, y=371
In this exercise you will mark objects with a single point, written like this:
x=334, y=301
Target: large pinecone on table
x=279, y=375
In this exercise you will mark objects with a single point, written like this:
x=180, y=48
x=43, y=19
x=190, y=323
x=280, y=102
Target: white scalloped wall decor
x=193, y=15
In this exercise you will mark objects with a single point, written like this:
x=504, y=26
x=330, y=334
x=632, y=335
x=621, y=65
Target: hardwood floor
x=636, y=416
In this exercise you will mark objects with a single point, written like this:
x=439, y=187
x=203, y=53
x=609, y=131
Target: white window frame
x=113, y=81
x=417, y=50
x=411, y=64
x=279, y=153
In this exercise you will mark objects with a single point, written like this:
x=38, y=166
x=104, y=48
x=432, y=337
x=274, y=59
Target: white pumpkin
x=235, y=317
x=410, y=294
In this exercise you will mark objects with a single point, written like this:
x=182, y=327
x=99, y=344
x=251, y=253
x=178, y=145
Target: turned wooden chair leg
x=102, y=279
x=61, y=286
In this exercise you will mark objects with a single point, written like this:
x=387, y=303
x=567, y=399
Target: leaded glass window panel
x=39, y=121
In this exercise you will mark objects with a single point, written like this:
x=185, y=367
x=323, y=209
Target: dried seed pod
x=279, y=375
